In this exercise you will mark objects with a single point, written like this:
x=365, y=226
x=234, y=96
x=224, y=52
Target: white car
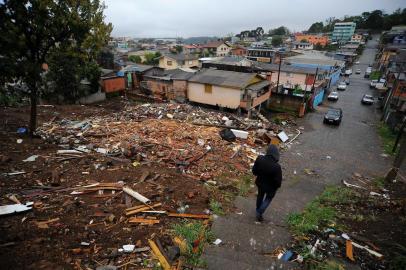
x=373, y=83
x=357, y=62
x=358, y=71
x=348, y=72
x=367, y=99
x=342, y=86
x=333, y=96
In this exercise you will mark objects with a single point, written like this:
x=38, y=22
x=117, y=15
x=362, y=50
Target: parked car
x=368, y=72
x=357, y=62
x=358, y=71
x=373, y=83
x=367, y=99
x=342, y=86
x=333, y=96
x=347, y=81
x=333, y=116
x=348, y=72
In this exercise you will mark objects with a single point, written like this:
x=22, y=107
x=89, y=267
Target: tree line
x=376, y=20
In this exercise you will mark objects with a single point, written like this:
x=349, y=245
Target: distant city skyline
x=180, y=18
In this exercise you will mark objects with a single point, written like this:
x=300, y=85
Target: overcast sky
x=186, y=18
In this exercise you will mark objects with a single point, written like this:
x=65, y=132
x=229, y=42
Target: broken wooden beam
x=143, y=221
x=197, y=216
x=161, y=258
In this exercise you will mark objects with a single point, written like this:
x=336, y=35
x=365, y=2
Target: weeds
x=311, y=218
x=196, y=235
x=244, y=185
x=388, y=138
x=320, y=210
x=379, y=182
x=216, y=207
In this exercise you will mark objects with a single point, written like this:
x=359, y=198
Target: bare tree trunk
x=33, y=115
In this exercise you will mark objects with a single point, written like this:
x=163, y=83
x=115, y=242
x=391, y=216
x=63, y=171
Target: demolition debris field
x=80, y=172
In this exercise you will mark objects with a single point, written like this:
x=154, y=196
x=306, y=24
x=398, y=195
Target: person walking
x=269, y=178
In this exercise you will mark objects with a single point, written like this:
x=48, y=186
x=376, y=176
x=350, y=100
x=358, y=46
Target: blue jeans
x=264, y=200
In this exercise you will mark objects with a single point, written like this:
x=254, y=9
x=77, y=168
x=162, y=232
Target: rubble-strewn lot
x=172, y=154
x=359, y=225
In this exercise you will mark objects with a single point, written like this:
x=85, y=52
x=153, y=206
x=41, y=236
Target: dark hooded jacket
x=267, y=170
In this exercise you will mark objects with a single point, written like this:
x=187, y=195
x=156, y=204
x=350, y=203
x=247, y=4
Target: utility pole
x=279, y=72
x=391, y=175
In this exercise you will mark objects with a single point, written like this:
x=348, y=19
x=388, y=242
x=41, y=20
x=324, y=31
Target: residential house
x=238, y=51
x=395, y=91
x=231, y=63
x=316, y=59
x=293, y=83
x=261, y=54
x=313, y=39
x=343, y=31
x=390, y=50
x=174, y=61
x=166, y=84
x=134, y=74
x=217, y=48
x=357, y=38
x=111, y=82
x=302, y=46
x=191, y=49
x=229, y=89
x=397, y=35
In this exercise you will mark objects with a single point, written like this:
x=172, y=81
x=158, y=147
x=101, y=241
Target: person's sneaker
x=260, y=218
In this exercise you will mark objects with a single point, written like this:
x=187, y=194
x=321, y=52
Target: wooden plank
x=348, y=249
x=143, y=205
x=198, y=216
x=158, y=254
x=129, y=213
x=143, y=220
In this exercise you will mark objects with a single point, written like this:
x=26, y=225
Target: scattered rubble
x=116, y=176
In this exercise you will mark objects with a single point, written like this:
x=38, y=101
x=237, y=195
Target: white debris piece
x=240, y=133
x=128, y=248
x=217, y=242
x=15, y=208
x=282, y=136
x=31, y=158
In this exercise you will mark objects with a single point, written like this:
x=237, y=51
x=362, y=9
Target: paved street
x=354, y=146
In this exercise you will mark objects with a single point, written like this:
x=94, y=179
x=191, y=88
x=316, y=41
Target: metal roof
x=181, y=57
x=258, y=86
x=231, y=79
x=286, y=68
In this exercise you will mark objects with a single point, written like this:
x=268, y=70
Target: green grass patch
x=328, y=265
x=196, y=235
x=311, y=218
x=375, y=75
x=388, y=138
x=320, y=211
x=244, y=185
x=216, y=207
x=379, y=182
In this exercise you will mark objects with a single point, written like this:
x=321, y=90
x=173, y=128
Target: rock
x=173, y=253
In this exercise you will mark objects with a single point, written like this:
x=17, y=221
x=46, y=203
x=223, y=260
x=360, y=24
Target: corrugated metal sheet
x=223, y=78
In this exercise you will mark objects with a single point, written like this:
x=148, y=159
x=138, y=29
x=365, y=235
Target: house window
x=208, y=88
x=169, y=63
